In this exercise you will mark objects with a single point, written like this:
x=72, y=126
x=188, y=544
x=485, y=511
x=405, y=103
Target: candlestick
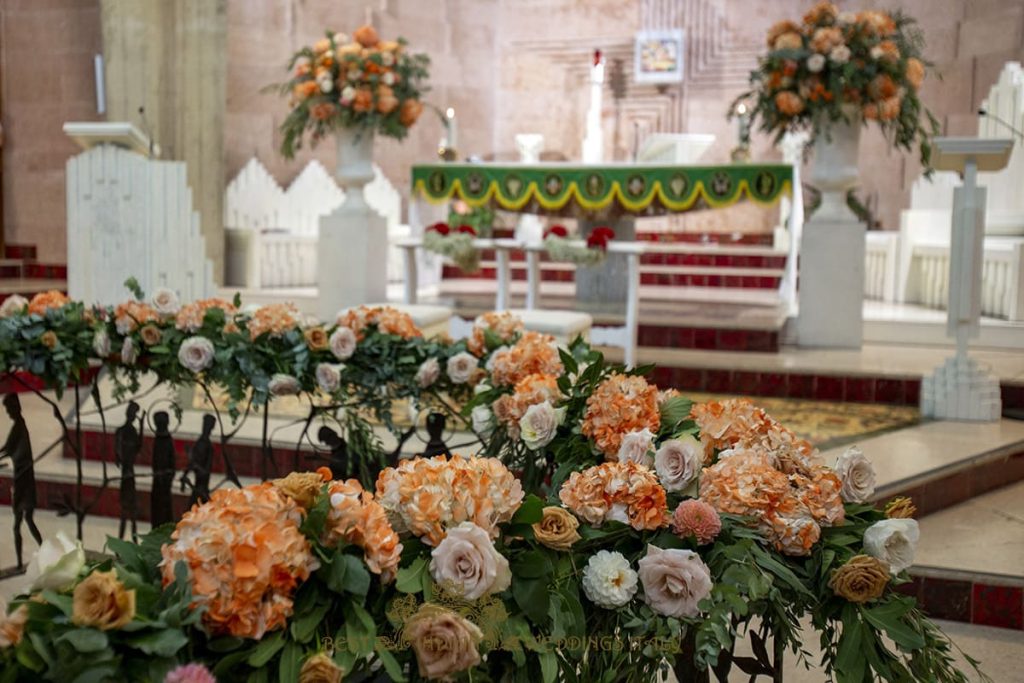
x=453, y=136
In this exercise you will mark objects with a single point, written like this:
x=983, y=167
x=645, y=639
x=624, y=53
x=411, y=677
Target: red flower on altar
x=600, y=237
x=557, y=231
x=467, y=230
x=440, y=228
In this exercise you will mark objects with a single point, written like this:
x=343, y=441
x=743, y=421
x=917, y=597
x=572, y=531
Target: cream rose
x=101, y=343
x=674, y=581
x=893, y=541
x=343, y=343
x=461, y=366
x=165, y=301
x=129, y=352
x=328, y=376
x=537, y=428
x=467, y=563
x=283, y=385
x=13, y=305
x=444, y=642
x=428, y=373
x=483, y=420
x=678, y=462
x=608, y=581
x=857, y=474
x=57, y=563
x=815, y=63
x=196, y=353
x=320, y=668
x=102, y=601
x=636, y=447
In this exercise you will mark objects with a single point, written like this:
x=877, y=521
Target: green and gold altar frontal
x=625, y=188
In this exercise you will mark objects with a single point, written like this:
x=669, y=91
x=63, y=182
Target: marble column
x=170, y=58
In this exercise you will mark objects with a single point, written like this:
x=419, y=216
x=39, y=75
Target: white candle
x=453, y=136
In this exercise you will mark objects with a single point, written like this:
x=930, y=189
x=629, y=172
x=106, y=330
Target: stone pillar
x=170, y=58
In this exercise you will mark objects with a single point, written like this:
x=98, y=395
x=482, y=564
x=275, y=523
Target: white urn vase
x=353, y=244
x=834, y=170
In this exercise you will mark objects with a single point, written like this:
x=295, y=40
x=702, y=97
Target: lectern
x=961, y=388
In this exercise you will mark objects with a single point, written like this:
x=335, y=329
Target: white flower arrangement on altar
x=455, y=244
x=590, y=252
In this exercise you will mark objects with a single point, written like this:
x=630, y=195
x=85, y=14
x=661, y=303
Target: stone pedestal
x=961, y=389
x=831, y=284
x=605, y=285
x=353, y=250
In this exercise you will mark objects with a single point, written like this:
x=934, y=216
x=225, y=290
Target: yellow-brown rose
x=366, y=36
x=320, y=669
x=151, y=335
x=900, y=508
x=302, y=487
x=49, y=339
x=102, y=601
x=386, y=100
x=317, y=339
x=557, y=528
x=12, y=626
x=410, y=112
x=444, y=642
x=915, y=72
x=862, y=579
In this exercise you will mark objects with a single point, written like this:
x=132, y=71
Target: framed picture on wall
x=659, y=56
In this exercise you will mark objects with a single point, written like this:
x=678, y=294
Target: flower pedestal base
x=831, y=284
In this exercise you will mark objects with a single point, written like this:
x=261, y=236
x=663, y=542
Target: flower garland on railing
x=589, y=252
x=606, y=529
x=455, y=244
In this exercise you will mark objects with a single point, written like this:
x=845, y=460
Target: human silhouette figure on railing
x=127, y=445
x=161, y=506
x=436, y=424
x=18, y=448
x=200, y=462
x=338, y=459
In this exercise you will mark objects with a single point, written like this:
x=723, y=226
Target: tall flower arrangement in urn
x=840, y=67
x=359, y=82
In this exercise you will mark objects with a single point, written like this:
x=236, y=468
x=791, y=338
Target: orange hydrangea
x=273, y=319
x=533, y=354
x=190, y=317
x=530, y=390
x=357, y=518
x=245, y=557
x=388, y=320
x=130, y=315
x=503, y=325
x=621, y=404
x=621, y=491
x=44, y=301
x=426, y=496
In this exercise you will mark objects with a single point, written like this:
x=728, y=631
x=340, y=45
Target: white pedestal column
x=353, y=250
x=831, y=284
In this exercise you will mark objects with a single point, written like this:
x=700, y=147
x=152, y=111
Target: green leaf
x=889, y=618
x=532, y=564
x=133, y=286
x=850, y=661
x=357, y=577
x=548, y=666
x=266, y=649
x=673, y=411
x=532, y=597
x=530, y=511
x=391, y=665
x=85, y=640
x=410, y=579
x=304, y=626
x=163, y=643
x=291, y=659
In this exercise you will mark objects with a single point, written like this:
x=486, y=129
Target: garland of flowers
x=359, y=82
x=606, y=528
x=455, y=244
x=591, y=252
x=818, y=71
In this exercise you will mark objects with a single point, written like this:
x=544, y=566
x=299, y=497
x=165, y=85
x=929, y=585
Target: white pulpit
x=130, y=216
x=961, y=388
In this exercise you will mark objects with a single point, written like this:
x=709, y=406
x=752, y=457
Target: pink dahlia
x=698, y=519
x=190, y=673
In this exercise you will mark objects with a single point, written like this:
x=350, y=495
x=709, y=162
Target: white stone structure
x=130, y=216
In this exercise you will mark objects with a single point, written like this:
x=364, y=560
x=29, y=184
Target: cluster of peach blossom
x=190, y=316
x=503, y=325
x=273, y=319
x=386, y=319
x=533, y=354
x=357, y=518
x=428, y=496
x=245, y=556
x=130, y=315
x=44, y=301
x=530, y=390
x=621, y=491
x=621, y=404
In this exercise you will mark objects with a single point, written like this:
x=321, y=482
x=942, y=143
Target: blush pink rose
x=674, y=581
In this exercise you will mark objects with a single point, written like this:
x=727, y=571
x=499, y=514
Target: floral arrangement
x=455, y=244
x=589, y=252
x=480, y=218
x=613, y=531
x=844, y=66
x=359, y=82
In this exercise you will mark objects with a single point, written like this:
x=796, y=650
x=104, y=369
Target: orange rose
x=411, y=110
x=305, y=89
x=322, y=111
x=881, y=87
x=366, y=36
x=779, y=28
x=789, y=103
x=386, y=100
x=321, y=46
x=915, y=72
x=889, y=108
x=363, y=101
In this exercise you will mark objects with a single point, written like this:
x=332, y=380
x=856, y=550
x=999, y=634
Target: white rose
x=340, y=39
x=328, y=376
x=538, y=426
x=678, y=462
x=815, y=63
x=483, y=420
x=388, y=78
x=461, y=367
x=387, y=59
x=840, y=54
x=428, y=373
x=674, y=581
x=608, y=580
x=467, y=562
x=196, y=353
x=13, y=305
x=877, y=52
x=893, y=541
x=129, y=352
x=343, y=343
x=500, y=351
x=857, y=473
x=283, y=385
x=57, y=563
x=481, y=388
x=165, y=301
x=348, y=93
x=325, y=82
x=101, y=343
x=636, y=447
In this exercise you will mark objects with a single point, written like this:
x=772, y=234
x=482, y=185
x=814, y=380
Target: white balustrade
x=880, y=265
